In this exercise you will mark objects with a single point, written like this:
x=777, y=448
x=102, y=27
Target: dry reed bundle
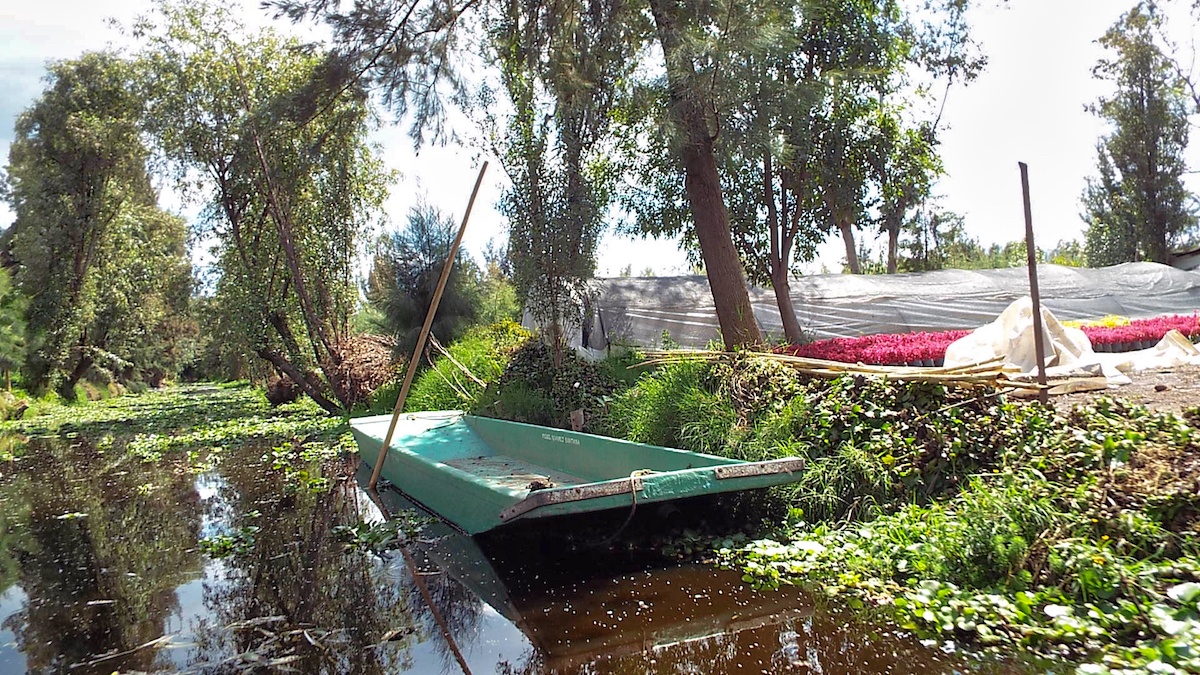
x=989, y=373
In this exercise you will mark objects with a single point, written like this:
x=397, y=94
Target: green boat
x=480, y=473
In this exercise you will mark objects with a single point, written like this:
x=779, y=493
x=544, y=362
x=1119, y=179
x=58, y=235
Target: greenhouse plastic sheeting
x=638, y=310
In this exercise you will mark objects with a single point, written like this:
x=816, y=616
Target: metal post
x=1031, y=251
x=416, y=356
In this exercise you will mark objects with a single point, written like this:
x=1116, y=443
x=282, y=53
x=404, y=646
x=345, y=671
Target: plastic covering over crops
x=638, y=310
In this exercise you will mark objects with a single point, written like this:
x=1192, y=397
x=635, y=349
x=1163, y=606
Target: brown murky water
x=101, y=570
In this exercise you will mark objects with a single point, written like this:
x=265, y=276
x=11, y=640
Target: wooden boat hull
x=479, y=473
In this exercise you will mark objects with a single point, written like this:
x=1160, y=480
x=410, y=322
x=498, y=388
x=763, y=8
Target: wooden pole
x=1039, y=348
x=412, y=363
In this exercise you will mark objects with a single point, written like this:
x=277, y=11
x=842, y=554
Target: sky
x=1028, y=105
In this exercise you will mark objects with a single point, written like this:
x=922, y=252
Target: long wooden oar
x=415, y=360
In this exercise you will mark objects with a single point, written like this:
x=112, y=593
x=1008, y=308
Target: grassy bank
x=960, y=515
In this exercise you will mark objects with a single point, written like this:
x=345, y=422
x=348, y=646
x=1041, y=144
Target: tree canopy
x=105, y=271
x=291, y=196
x=404, y=274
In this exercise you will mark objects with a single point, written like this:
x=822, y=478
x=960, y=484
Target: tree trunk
x=703, y=184
x=851, y=250
x=787, y=311
x=276, y=359
x=781, y=254
x=67, y=388
x=893, y=231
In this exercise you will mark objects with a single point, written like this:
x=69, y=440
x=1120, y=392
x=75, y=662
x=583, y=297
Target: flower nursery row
x=930, y=348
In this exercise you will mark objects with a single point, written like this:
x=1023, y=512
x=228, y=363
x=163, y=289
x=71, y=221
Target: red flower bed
x=899, y=349
x=1143, y=330
x=890, y=349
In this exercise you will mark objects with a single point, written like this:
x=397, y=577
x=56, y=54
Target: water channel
x=109, y=564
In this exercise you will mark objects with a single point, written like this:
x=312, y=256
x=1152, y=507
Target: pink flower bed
x=1143, y=330
x=899, y=349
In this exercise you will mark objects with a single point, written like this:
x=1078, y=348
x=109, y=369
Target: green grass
x=484, y=352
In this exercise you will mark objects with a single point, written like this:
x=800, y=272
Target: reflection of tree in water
x=298, y=597
x=456, y=606
x=97, y=554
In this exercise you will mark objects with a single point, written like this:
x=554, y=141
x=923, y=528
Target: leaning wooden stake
x=416, y=355
x=1039, y=348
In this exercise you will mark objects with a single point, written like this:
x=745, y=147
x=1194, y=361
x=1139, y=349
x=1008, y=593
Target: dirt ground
x=1173, y=390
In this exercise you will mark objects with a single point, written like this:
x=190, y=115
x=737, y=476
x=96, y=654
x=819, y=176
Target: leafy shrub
x=1080, y=541
x=871, y=444
x=518, y=402
x=484, y=351
x=654, y=411
x=534, y=385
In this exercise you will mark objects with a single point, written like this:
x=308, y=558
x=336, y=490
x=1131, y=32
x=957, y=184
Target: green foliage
x=1070, y=539
x=937, y=239
x=405, y=273
x=171, y=422
x=562, y=68
x=484, y=351
x=871, y=445
x=1138, y=207
x=498, y=300
x=379, y=537
x=12, y=328
x=254, y=125
x=239, y=542
x=105, y=271
x=537, y=390
x=654, y=410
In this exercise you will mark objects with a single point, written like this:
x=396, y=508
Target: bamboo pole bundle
x=989, y=373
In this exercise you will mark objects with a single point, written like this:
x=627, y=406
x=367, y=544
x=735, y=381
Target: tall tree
x=1138, y=207
x=93, y=253
x=817, y=130
x=905, y=170
x=782, y=100
x=406, y=47
x=291, y=186
x=404, y=274
x=562, y=66
x=691, y=69
x=12, y=329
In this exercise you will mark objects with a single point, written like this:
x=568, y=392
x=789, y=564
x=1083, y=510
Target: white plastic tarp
x=638, y=310
x=1068, y=351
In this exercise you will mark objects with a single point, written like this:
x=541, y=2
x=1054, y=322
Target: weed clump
x=871, y=444
x=535, y=390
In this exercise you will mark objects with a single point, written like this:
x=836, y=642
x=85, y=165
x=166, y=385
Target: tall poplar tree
x=1137, y=207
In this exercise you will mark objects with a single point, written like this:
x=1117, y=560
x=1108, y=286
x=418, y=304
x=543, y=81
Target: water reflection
x=101, y=570
x=97, y=552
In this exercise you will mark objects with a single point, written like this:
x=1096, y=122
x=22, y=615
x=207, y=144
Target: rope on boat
x=633, y=475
